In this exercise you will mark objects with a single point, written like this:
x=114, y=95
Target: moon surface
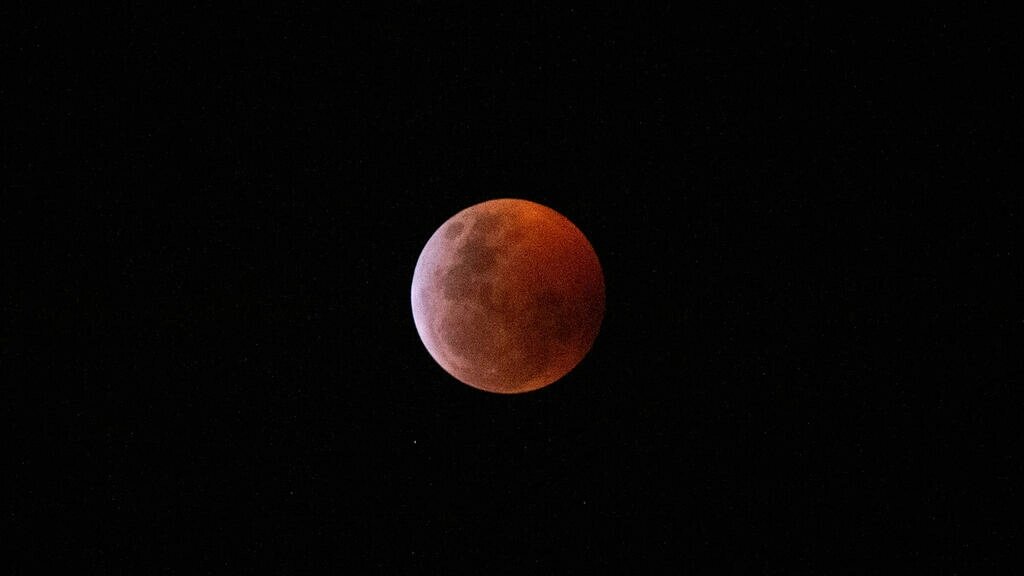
x=508, y=296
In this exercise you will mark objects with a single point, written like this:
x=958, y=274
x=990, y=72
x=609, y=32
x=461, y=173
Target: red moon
x=508, y=296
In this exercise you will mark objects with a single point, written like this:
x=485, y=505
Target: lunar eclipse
x=508, y=296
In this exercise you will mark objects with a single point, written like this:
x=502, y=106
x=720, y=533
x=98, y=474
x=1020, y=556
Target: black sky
x=211, y=221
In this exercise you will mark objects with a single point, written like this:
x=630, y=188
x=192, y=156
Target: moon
x=508, y=296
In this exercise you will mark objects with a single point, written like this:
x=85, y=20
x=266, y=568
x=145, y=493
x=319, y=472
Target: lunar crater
x=453, y=230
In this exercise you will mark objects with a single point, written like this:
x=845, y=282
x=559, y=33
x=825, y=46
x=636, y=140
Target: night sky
x=210, y=224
